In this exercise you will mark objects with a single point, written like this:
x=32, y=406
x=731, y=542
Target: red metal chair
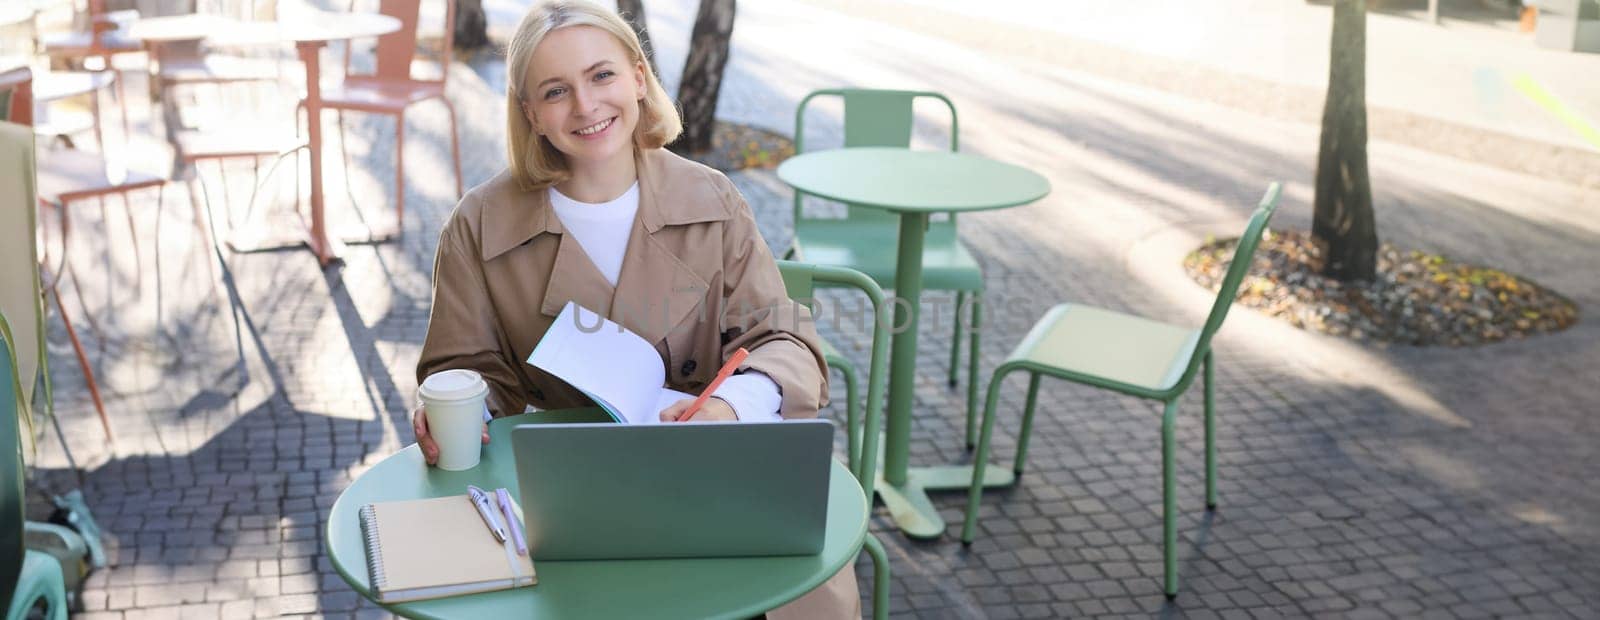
x=391, y=89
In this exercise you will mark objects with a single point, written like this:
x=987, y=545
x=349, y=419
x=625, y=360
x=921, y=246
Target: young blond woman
x=592, y=209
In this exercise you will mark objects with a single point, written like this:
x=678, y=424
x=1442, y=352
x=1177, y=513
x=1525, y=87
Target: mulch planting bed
x=1417, y=299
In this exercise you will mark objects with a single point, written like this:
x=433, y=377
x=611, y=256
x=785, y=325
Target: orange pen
x=727, y=371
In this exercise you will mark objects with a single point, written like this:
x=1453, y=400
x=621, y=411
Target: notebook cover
x=436, y=547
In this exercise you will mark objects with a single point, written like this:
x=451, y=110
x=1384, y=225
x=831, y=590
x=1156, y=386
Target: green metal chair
x=30, y=580
x=865, y=239
x=1131, y=355
x=801, y=280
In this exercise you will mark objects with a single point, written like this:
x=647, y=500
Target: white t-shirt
x=602, y=231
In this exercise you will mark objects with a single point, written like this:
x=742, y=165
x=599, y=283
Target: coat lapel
x=656, y=290
x=573, y=277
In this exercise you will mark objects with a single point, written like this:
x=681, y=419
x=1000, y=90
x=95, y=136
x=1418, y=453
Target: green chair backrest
x=11, y=508
x=1243, y=255
x=874, y=118
x=800, y=279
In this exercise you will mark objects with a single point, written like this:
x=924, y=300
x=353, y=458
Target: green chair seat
x=1118, y=351
x=947, y=264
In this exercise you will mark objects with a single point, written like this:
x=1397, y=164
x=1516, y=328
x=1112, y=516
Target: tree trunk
x=632, y=11
x=702, y=74
x=472, y=26
x=1342, y=216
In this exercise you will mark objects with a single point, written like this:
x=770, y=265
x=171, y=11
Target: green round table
x=914, y=184
x=668, y=588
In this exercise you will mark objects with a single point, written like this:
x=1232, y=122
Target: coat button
x=688, y=368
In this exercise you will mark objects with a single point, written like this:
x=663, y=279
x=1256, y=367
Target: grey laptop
x=617, y=491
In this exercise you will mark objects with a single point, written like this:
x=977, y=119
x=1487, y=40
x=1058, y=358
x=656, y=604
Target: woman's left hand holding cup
x=452, y=407
x=425, y=442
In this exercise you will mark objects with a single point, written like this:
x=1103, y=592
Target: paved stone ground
x=1354, y=481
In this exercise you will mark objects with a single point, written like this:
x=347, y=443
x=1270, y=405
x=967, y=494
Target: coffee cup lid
x=455, y=384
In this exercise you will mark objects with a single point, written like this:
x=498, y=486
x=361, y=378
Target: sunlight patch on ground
x=1156, y=260
x=1441, y=467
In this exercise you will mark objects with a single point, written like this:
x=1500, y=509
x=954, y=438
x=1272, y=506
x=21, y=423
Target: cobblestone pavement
x=1354, y=480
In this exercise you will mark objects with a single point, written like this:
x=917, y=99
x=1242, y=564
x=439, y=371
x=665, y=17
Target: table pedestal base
x=910, y=507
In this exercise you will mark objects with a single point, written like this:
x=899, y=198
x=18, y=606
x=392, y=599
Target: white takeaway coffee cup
x=454, y=402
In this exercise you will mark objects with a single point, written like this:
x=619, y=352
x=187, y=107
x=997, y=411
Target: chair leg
x=1169, y=517
x=880, y=577
x=1211, y=440
x=161, y=198
x=852, y=409
x=1027, y=423
x=67, y=266
x=66, y=250
x=955, y=349
x=344, y=163
x=122, y=102
x=94, y=113
x=83, y=363
x=297, y=204
x=981, y=460
x=229, y=291
x=133, y=235
x=227, y=194
x=399, y=172
x=194, y=199
x=111, y=280
x=972, y=359
x=455, y=145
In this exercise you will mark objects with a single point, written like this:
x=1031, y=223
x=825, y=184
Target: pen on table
x=511, y=518
x=480, y=500
x=727, y=370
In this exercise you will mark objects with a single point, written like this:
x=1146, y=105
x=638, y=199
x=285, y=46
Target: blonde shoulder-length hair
x=535, y=163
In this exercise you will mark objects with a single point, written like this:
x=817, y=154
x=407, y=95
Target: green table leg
x=904, y=490
x=903, y=353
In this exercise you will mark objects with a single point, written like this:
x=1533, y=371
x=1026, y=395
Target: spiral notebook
x=429, y=548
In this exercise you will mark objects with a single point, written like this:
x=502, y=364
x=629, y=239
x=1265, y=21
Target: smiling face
x=583, y=93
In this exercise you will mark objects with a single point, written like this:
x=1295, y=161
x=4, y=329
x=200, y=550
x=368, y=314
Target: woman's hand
x=430, y=448
x=715, y=410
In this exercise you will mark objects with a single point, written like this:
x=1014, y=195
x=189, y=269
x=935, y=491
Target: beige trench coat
x=697, y=280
